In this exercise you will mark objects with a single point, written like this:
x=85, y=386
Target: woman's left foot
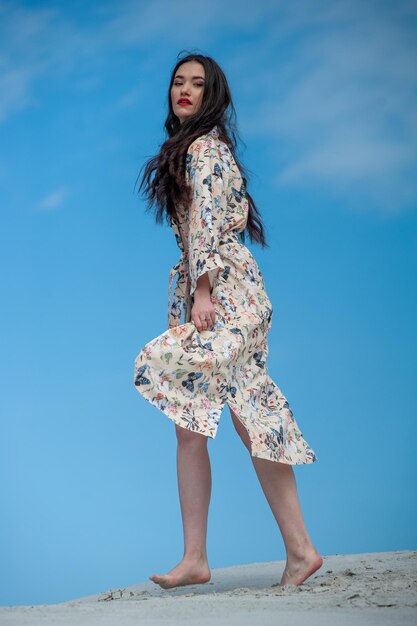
x=187, y=572
x=296, y=572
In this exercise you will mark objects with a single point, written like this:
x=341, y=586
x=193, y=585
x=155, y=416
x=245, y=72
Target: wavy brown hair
x=168, y=186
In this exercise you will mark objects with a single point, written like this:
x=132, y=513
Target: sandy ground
x=361, y=589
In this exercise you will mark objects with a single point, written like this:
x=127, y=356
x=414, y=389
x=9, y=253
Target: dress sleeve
x=207, y=211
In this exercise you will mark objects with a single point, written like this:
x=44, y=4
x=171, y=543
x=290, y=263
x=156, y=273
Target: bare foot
x=185, y=573
x=297, y=571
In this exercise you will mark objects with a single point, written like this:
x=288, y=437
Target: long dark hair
x=169, y=187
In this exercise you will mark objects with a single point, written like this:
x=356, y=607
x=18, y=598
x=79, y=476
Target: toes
x=162, y=581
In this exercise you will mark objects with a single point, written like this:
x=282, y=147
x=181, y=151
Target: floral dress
x=190, y=375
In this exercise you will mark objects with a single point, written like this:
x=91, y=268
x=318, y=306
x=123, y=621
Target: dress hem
x=267, y=454
x=182, y=421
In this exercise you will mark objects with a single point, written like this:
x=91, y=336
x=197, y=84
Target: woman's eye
x=196, y=84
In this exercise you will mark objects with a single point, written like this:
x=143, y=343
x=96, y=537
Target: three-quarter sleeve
x=205, y=174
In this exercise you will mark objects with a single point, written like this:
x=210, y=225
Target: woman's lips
x=184, y=104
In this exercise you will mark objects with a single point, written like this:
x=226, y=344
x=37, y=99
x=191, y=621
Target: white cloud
x=38, y=43
x=20, y=31
x=53, y=199
x=331, y=84
x=339, y=102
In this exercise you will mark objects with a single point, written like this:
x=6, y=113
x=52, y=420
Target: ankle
x=300, y=551
x=195, y=556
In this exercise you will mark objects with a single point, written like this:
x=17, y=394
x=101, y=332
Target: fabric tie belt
x=178, y=300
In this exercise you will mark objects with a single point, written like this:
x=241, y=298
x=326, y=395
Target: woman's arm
x=206, y=218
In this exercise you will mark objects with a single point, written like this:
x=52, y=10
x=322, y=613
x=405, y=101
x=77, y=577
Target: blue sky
x=325, y=94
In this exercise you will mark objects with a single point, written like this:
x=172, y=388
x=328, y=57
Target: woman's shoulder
x=203, y=142
x=208, y=151
x=207, y=140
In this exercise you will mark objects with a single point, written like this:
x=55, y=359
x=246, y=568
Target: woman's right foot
x=298, y=570
x=187, y=572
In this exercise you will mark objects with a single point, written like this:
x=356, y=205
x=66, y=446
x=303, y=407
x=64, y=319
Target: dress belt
x=177, y=300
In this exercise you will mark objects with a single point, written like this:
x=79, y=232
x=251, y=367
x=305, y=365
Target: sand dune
x=372, y=588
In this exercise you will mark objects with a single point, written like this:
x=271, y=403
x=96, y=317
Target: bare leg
x=194, y=485
x=280, y=488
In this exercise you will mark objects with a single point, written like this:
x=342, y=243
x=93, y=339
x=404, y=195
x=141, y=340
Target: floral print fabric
x=190, y=375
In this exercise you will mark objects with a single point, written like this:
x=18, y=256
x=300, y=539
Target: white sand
x=351, y=589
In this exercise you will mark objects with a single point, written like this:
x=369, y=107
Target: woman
x=217, y=356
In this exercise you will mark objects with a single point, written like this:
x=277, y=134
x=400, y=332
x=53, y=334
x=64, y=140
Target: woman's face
x=188, y=84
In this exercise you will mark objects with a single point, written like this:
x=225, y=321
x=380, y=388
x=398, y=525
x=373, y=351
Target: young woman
x=218, y=354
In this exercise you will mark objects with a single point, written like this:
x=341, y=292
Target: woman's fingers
x=205, y=320
x=203, y=312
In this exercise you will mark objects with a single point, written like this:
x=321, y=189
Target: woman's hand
x=203, y=313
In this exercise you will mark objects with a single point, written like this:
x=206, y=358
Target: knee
x=189, y=437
